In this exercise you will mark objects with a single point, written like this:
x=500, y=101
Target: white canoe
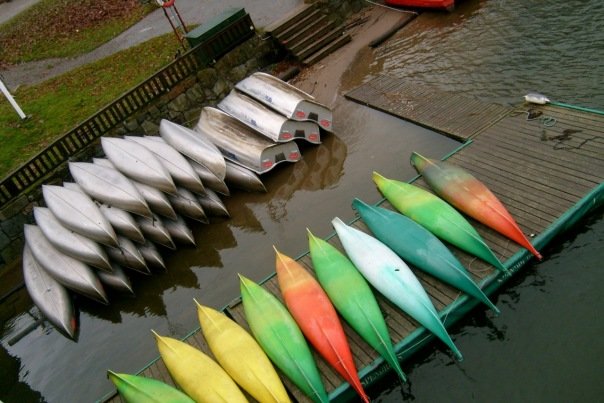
x=127, y=255
x=109, y=186
x=69, y=242
x=137, y=162
x=271, y=124
x=155, y=231
x=68, y=271
x=286, y=99
x=197, y=148
x=181, y=171
x=155, y=198
x=209, y=179
x=77, y=212
x=152, y=256
x=117, y=279
x=50, y=296
x=185, y=203
x=212, y=204
x=242, y=178
x=179, y=231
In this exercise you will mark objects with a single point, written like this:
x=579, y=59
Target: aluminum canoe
x=49, y=295
x=242, y=178
x=182, y=172
x=137, y=162
x=243, y=145
x=198, y=148
x=152, y=256
x=180, y=231
x=127, y=255
x=77, y=212
x=109, y=186
x=212, y=204
x=68, y=271
x=286, y=99
x=69, y=242
x=186, y=203
x=276, y=127
x=139, y=389
x=155, y=231
x=209, y=179
x=117, y=279
x=156, y=199
x=121, y=220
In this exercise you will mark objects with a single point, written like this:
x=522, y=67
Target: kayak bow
x=138, y=389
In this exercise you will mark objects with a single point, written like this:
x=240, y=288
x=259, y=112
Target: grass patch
x=66, y=28
x=59, y=104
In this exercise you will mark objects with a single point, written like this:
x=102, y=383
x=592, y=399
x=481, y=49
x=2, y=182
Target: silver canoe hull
x=68, y=271
x=109, y=186
x=209, y=179
x=186, y=203
x=127, y=255
x=212, y=204
x=276, y=127
x=152, y=256
x=242, y=178
x=116, y=279
x=69, y=242
x=286, y=99
x=179, y=231
x=241, y=144
x=177, y=165
x=48, y=295
x=155, y=231
x=137, y=162
x=77, y=212
x=155, y=198
x=189, y=143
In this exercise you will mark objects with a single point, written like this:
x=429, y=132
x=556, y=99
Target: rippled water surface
x=546, y=345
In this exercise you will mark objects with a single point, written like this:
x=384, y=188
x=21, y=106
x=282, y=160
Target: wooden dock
x=547, y=169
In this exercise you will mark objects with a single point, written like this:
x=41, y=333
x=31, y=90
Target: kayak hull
x=138, y=389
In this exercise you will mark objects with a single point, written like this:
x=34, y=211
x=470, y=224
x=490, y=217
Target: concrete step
x=290, y=19
x=319, y=43
x=306, y=31
x=320, y=54
x=300, y=26
x=305, y=42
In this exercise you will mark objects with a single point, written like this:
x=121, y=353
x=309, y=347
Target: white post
x=12, y=100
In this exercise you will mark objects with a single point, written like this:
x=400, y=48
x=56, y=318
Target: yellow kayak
x=241, y=356
x=198, y=375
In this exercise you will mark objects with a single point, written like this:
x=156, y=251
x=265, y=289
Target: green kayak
x=138, y=389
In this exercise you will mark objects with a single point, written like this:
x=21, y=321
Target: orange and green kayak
x=437, y=216
x=468, y=194
x=352, y=298
x=313, y=311
x=281, y=339
x=138, y=389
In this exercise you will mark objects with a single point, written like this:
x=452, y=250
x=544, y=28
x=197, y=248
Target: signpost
x=174, y=18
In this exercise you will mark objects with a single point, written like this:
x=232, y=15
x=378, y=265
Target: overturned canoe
x=186, y=203
x=180, y=231
x=177, y=165
x=68, y=271
x=212, y=204
x=313, y=311
x=416, y=245
x=197, y=374
x=77, y=212
x=156, y=199
x=49, y=295
x=210, y=180
x=268, y=122
x=190, y=143
x=69, y=242
x=286, y=99
x=138, y=389
x=393, y=278
x=152, y=256
x=109, y=186
x=243, y=145
x=353, y=298
x=436, y=216
x=242, y=178
x=281, y=339
x=241, y=356
x=153, y=228
x=127, y=255
x=117, y=279
x=468, y=194
x=137, y=162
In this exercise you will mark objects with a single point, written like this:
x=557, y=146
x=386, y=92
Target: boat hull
x=434, y=4
x=138, y=389
x=117, y=279
x=127, y=255
x=186, y=203
x=242, y=178
x=155, y=231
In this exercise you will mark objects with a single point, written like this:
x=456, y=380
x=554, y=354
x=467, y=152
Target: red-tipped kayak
x=468, y=194
x=439, y=4
x=313, y=311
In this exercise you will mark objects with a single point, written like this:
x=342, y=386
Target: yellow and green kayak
x=138, y=389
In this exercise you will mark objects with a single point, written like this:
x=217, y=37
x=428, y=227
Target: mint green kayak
x=417, y=245
x=138, y=389
x=353, y=298
x=281, y=339
x=437, y=216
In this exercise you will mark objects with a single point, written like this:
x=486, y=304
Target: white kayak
x=117, y=279
x=212, y=204
x=179, y=231
x=127, y=255
x=152, y=256
x=155, y=231
x=185, y=203
x=209, y=179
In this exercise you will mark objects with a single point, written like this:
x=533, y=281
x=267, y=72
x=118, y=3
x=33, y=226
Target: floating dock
x=545, y=163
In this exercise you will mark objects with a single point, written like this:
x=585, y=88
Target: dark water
x=544, y=347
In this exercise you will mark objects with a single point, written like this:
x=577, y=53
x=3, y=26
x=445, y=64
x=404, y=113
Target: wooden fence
x=42, y=165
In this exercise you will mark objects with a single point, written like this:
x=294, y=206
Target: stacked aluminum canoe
x=119, y=208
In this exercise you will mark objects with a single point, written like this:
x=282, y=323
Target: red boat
x=440, y=4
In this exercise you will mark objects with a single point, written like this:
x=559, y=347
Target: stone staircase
x=308, y=33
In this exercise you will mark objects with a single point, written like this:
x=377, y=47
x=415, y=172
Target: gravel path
x=263, y=12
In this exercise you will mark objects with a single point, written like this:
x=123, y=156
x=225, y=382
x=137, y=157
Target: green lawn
x=59, y=104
